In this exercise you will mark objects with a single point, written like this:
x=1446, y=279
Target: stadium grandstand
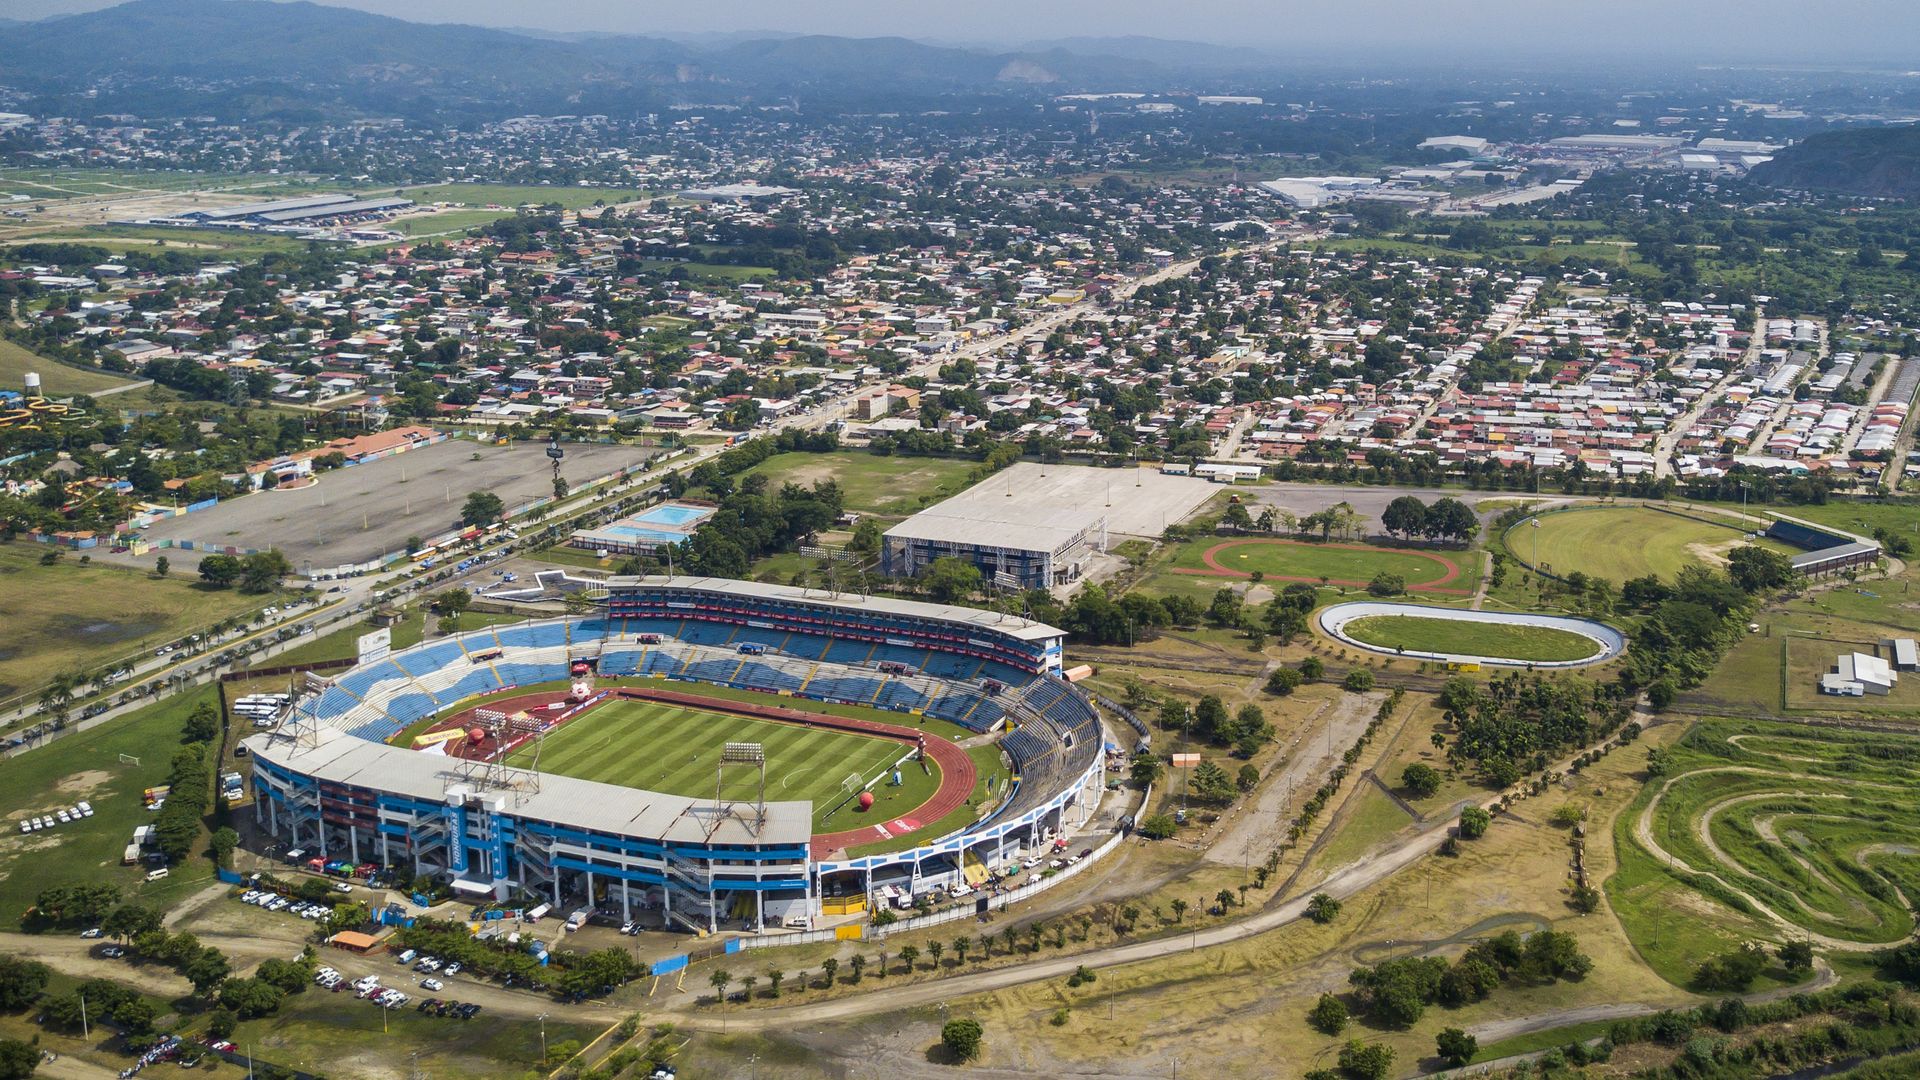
x=1823, y=550
x=329, y=781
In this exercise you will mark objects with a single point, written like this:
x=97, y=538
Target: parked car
x=431, y=983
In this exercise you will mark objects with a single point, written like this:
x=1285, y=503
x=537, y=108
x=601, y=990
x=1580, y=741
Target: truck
x=131, y=856
x=577, y=920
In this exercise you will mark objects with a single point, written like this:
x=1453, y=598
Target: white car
x=90, y=933
x=366, y=981
x=432, y=984
x=63, y=816
x=26, y=826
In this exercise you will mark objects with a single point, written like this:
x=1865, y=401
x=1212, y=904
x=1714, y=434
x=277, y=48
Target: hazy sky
x=1764, y=32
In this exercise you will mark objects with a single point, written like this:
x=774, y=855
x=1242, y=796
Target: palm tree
x=830, y=966
x=934, y=949
x=960, y=945
x=719, y=981
x=1009, y=935
x=908, y=954
x=859, y=965
x=986, y=946
x=774, y=978
x=748, y=983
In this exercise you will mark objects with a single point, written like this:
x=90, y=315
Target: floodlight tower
x=751, y=755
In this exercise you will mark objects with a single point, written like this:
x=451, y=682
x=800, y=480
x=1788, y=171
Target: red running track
x=1450, y=570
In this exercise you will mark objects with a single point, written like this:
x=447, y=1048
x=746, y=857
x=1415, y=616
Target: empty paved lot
x=358, y=514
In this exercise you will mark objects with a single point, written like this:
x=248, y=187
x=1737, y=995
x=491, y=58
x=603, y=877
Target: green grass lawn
x=86, y=765
x=74, y=617
x=58, y=379
x=342, y=644
x=1353, y=564
x=510, y=196
x=212, y=244
x=1621, y=542
x=68, y=183
x=871, y=483
x=673, y=749
x=1501, y=641
x=1374, y=817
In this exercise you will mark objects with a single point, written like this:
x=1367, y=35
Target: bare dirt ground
x=1257, y=827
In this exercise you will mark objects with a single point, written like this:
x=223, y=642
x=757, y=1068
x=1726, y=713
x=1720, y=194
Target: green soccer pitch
x=674, y=749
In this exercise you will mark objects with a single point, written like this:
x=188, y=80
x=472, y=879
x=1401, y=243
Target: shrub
x=1474, y=822
x=962, y=1038
x=1420, y=780
x=1328, y=1015
x=1358, y=681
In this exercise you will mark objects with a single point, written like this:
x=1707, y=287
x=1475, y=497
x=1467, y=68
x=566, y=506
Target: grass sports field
x=1622, y=542
x=673, y=749
x=873, y=484
x=1537, y=643
x=1338, y=563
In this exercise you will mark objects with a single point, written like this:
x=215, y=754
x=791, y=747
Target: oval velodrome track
x=1608, y=642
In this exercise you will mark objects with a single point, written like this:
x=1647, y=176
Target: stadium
x=642, y=760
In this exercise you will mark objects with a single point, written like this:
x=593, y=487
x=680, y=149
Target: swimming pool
x=672, y=514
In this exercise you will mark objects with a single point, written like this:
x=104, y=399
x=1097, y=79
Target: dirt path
x=1259, y=827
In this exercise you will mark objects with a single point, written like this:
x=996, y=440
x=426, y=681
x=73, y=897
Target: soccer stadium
x=658, y=759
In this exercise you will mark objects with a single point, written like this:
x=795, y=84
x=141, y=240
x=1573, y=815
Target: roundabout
x=1505, y=639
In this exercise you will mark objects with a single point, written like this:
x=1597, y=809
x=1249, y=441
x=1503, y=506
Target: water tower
x=33, y=384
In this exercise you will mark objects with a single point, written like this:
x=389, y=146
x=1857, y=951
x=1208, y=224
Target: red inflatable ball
x=477, y=734
x=866, y=800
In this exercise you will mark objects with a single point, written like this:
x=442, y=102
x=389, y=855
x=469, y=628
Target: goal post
x=129, y=759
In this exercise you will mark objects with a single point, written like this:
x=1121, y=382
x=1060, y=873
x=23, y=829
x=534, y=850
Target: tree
x=161, y=566
x=1456, y=1046
x=21, y=982
x=1358, y=681
x=1158, y=827
x=1146, y=769
x=1284, y=681
x=1329, y=1015
x=962, y=1038
x=1224, y=610
x=1405, y=517
x=908, y=954
x=451, y=603
x=130, y=920
x=1312, y=668
x=1212, y=784
x=774, y=978
x=1451, y=520
x=960, y=946
x=829, y=967
x=220, y=571
x=1387, y=584
x=1474, y=822
x=208, y=970
x=1366, y=1061
x=261, y=571
x=948, y=579
x=1323, y=909
x=1796, y=955
x=250, y=997
x=1420, y=779
x=481, y=508
x=18, y=1059
x=202, y=725
x=1755, y=568
x=1247, y=778
x=720, y=980
x=1179, y=907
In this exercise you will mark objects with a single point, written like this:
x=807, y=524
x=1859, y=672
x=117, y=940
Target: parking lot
x=358, y=514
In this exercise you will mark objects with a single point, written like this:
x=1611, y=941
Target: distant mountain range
x=1877, y=162
x=260, y=56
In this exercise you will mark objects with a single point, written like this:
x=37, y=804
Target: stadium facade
x=327, y=782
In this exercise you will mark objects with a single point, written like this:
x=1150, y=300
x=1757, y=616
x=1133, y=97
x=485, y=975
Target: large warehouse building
x=1037, y=526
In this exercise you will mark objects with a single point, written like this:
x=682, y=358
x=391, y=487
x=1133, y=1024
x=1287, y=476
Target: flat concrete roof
x=334, y=756
x=356, y=514
x=855, y=604
x=1040, y=507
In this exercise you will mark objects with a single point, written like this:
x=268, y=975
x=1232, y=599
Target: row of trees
x=259, y=572
x=1447, y=520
